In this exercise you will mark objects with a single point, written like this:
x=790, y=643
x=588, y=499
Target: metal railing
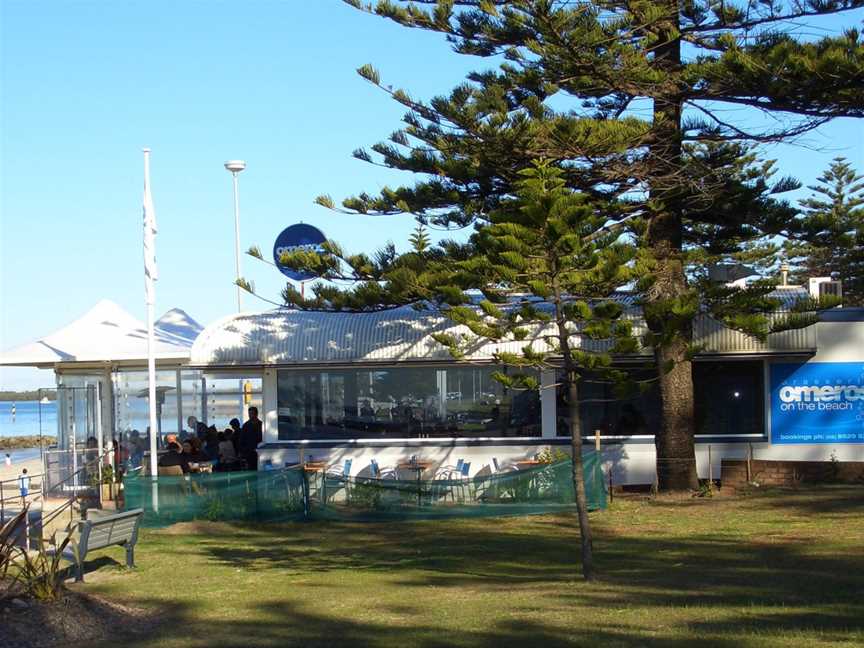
x=72, y=494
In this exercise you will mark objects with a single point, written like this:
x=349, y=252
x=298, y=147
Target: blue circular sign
x=297, y=237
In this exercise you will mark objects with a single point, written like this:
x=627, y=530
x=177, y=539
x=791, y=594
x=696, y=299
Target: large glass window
x=403, y=403
x=601, y=408
x=132, y=403
x=728, y=400
x=213, y=399
x=228, y=397
x=729, y=397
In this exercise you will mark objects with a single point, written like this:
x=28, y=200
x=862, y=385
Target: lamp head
x=235, y=166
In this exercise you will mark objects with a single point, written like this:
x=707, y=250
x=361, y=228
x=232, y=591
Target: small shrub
x=8, y=550
x=549, y=455
x=41, y=573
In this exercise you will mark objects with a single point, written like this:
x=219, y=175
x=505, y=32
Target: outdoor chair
x=336, y=478
x=450, y=471
x=463, y=480
x=172, y=490
x=377, y=473
x=452, y=481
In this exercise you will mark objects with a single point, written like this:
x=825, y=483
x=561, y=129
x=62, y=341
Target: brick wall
x=733, y=472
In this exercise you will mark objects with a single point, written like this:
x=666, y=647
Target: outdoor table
x=528, y=463
x=313, y=469
x=419, y=466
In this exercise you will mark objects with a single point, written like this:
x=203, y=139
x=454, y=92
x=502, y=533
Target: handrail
x=86, y=466
x=15, y=479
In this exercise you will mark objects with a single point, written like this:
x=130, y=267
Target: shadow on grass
x=285, y=624
x=817, y=500
x=768, y=588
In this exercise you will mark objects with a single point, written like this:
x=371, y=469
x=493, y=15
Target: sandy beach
x=33, y=466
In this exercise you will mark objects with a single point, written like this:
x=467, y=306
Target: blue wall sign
x=293, y=238
x=817, y=402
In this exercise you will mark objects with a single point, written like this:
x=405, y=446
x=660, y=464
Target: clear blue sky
x=86, y=85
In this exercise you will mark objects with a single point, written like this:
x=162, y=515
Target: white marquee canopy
x=107, y=333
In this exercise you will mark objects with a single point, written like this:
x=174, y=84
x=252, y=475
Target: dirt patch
x=197, y=527
x=74, y=618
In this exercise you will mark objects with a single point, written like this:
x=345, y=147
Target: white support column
x=108, y=427
x=179, y=397
x=270, y=415
x=548, y=404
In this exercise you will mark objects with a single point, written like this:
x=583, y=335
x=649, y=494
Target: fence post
x=611, y=492
x=598, y=467
x=305, y=492
x=710, y=471
x=749, y=459
x=26, y=525
x=2, y=504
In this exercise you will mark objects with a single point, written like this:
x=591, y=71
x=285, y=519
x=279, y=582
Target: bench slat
x=110, y=530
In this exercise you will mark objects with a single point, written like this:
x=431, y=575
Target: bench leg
x=130, y=556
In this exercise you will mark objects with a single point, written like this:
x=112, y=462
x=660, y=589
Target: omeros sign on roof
x=297, y=237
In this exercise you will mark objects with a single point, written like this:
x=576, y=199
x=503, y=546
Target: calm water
x=19, y=456
x=26, y=420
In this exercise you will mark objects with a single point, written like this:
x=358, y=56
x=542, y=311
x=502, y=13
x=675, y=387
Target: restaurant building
x=364, y=386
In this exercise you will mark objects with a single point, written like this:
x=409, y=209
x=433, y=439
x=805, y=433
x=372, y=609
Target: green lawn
x=780, y=569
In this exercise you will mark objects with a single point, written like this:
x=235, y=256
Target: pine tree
x=646, y=130
x=547, y=267
x=827, y=240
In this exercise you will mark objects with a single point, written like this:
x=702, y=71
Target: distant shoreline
x=23, y=442
x=25, y=396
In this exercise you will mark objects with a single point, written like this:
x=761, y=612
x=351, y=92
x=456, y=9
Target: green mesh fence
x=296, y=494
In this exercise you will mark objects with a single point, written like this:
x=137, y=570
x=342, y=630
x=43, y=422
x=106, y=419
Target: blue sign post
x=817, y=402
x=297, y=237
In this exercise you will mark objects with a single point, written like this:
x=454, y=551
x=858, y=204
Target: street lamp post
x=235, y=167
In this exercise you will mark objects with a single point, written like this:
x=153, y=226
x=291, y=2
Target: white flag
x=150, y=272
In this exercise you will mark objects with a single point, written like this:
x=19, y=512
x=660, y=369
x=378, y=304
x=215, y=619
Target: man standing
x=250, y=436
x=197, y=428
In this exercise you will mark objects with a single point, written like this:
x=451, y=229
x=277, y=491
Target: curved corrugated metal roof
x=288, y=337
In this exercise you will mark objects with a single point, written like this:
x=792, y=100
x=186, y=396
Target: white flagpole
x=150, y=275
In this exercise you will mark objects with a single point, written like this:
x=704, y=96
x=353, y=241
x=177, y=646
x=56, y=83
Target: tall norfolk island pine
x=547, y=269
x=647, y=129
x=828, y=238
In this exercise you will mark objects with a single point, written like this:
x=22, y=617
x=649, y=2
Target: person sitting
x=174, y=457
x=227, y=454
x=235, y=436
x=192, y=450
x=211, y=443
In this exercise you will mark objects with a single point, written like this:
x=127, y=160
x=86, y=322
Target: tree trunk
x=676, y=452
x=579, y=477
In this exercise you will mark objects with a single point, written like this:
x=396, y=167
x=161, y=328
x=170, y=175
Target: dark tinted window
x=729, y=397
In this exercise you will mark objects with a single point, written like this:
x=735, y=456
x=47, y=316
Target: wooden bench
x=102, y=531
